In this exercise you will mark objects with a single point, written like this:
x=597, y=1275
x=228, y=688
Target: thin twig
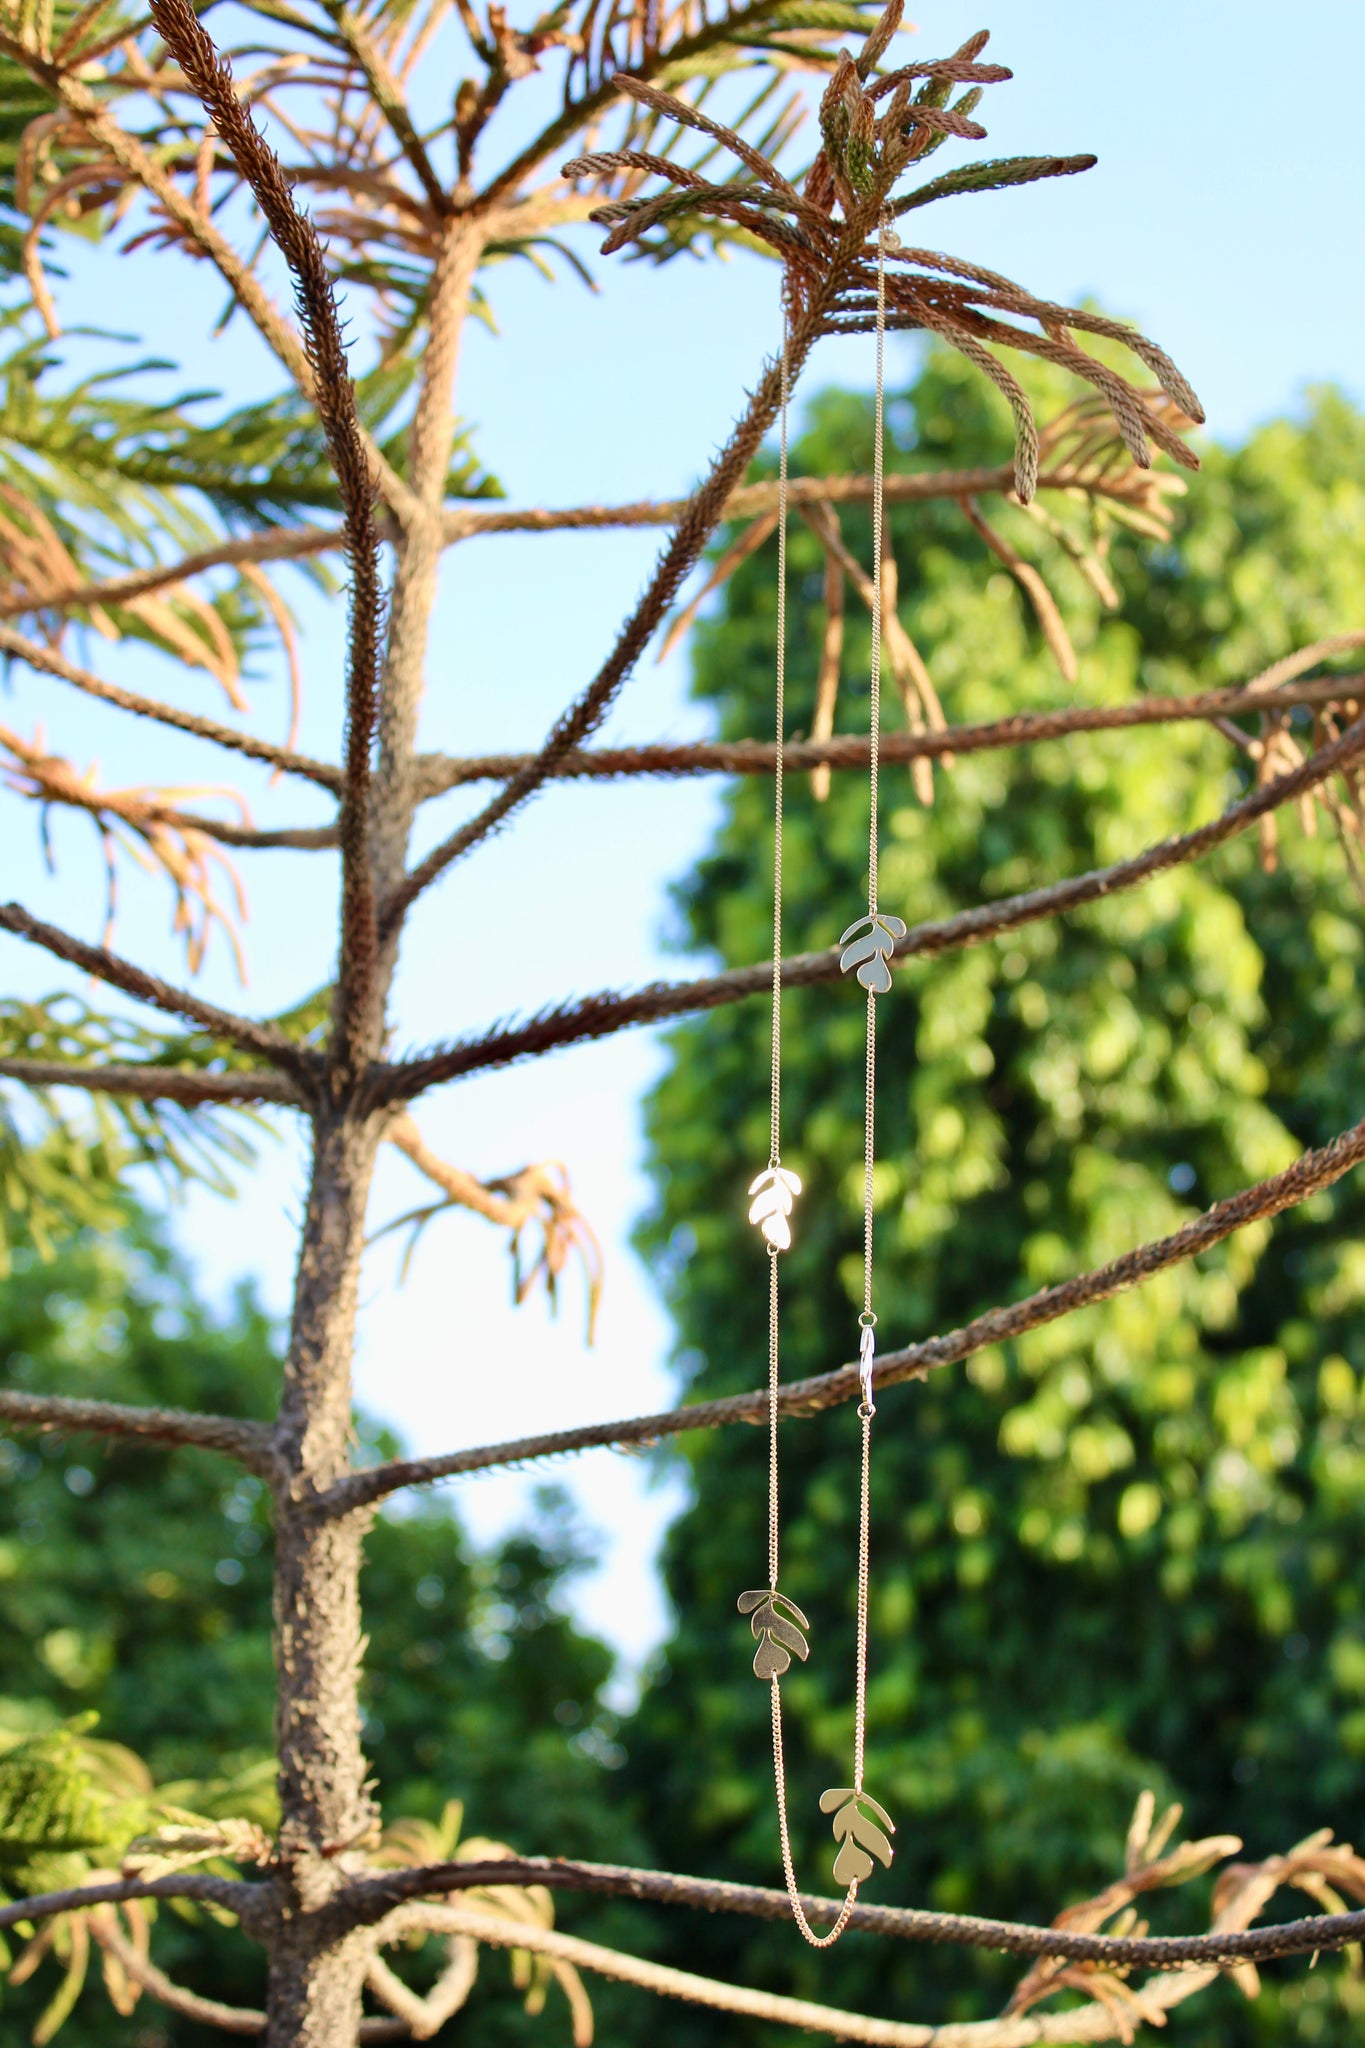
x=50, y=662
x=155, y=1084
x=601, y=1016
x=442, y=772
x=387, y=95
x=265, y=1039
x=1316, y=1170
x=210, y=77
x=370, y=1898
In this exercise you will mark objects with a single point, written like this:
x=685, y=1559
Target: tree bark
x=315, y=1984
x=325, y=1804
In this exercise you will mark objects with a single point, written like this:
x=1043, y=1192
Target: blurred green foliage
x=135, y=1588
x=1124, y=1551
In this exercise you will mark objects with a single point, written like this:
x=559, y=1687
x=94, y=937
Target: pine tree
x=308, y=146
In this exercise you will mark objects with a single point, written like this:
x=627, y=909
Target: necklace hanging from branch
x=846, y=271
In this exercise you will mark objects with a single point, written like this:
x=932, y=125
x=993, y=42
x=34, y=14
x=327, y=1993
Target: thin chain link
x=875, y=675
x=772, y=1419
x=789, y=1868
x=869, y=1153
x=874, y=749
x=775, y=1110
x=860, y=1703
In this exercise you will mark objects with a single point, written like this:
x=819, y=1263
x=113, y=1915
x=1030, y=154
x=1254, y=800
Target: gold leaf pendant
x=859, y=1836
x=779, y=1629
x=871, y=954
x=774, y=1190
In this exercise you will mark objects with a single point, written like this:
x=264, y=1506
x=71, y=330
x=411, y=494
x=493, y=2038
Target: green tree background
x=1121, y=1553
x=1124, y=1551
x=135, y=1586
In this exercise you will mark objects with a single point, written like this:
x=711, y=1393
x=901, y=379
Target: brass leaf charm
x=779, y=1629
x=773, y=1192
x=857, y=1833
x=871, y=954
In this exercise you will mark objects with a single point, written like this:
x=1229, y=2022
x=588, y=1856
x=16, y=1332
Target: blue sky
x=1223, y=216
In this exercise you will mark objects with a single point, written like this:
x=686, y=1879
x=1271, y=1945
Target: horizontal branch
x=603, y=1015
x=290, y=544
x=442, y=772
x=1093, y=2022
x=370, y=1898
x=246, y=1901
x=284, y=759
x=250, y=1443
x=1315, y=1170
x=265, y=1039
x=282, y=839
x=154, y=1084
x=277, y=544
x=750, y=500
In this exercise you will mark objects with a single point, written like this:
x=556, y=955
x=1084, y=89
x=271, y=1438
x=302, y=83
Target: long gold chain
x=778, y=1625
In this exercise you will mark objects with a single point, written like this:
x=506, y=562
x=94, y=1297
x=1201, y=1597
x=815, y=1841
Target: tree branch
x=155, y=1084
x=49, y=662
x=284, y=838
x=388, y=97
x=748, y=501
x=246, y=1901
x=442, y=772
x=1316, y=1170
x=249, y=1443
x=282, y=544
x=210, y=77
x=1096, y=2022
x=210, y=2012
x=601, y=1016
x=698, y=521
x=265, y=1039
x=495, y=1203
x=423, y=2017
x=277, y=544
x=372, y=1897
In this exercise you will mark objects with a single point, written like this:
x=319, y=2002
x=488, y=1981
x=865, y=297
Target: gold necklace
x=862, y=1827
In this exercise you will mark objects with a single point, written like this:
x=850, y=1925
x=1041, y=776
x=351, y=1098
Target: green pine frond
x=52, y=1810
x=992, y=177
x=62, y=1157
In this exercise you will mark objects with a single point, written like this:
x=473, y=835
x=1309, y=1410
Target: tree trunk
x=326, y=1809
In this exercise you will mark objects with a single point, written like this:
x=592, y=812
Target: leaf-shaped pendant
x=779, y=1628
x=774, y=1191
x=859, y=1836
x=871, y=954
